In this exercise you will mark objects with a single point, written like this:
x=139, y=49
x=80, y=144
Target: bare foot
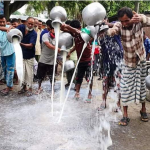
x=38, y=91
x=77, y=96
x=102, y=106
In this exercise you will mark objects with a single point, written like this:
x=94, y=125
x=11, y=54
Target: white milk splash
x=19, y=59
x=84, y=46
x=56, y=29
x=62, y=90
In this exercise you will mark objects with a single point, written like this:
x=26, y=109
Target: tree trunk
x=136, y=8
x=6, y=9
x=11, y=8
x=50, y=5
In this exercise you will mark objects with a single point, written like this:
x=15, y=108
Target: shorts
x=43, y=70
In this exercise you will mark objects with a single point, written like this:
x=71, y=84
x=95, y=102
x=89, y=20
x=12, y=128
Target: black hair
x=75, y=24
x=49, y=23
x=43, y=23
x=123, y=11
x=40, y=20
x=143, y=32
x=2, y=16
x=105, y=18
x=14, y=20
x=68, y=22
x=9, y=20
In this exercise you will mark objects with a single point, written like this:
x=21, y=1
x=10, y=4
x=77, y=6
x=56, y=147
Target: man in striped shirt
x=133, y=87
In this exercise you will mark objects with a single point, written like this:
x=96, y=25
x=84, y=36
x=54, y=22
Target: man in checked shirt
x=133, y=87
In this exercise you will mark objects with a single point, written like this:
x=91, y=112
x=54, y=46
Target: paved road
x=28, y=124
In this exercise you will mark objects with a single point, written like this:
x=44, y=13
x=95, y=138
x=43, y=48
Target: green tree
x=16, y=13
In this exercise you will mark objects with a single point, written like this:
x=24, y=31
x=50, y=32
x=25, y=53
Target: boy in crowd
x=15, y=22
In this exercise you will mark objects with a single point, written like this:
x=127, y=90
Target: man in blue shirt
x=46, y=30
x=28, y=48
x=7, y=56
x=146, y=45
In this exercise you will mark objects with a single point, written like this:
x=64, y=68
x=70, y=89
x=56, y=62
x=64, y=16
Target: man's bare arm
x=50, y=46
x=29, y=46
x=5, y=29
x=65, y=27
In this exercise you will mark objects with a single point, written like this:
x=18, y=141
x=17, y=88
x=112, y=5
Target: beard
x=29, y=29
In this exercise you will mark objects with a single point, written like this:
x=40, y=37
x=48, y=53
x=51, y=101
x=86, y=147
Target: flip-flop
x=29, y=93
x=2, y=83
x=22, y=91
x=124, y=121
x=88, y=100
x=144, y=116
x=4, y=92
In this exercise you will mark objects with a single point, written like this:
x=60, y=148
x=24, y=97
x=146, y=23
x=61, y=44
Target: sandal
x=4, y=92
x=22, y=91
x=88, y=100
x=1, y=82
x=29, y=93
x=144, y=116
x=124, y=121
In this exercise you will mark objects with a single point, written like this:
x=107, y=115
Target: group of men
x=128, y=51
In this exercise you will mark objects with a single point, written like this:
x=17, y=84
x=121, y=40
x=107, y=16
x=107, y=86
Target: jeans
x=8, y=65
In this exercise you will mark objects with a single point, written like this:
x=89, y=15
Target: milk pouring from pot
x=15, y=37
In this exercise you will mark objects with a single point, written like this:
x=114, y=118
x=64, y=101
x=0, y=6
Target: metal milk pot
x=14, y=33
x=65, y=41
x=58, y=14
x=69, y=65
x=93, y=13
x=147, y=80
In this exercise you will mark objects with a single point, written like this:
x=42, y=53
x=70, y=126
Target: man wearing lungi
x=28, y=49
x=133, y=87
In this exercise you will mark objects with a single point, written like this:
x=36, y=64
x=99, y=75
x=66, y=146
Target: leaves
x=74, y=8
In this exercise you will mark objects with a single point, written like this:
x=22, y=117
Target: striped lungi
x=133, y=87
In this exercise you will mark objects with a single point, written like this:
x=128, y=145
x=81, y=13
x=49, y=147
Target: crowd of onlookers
x=119, y=58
